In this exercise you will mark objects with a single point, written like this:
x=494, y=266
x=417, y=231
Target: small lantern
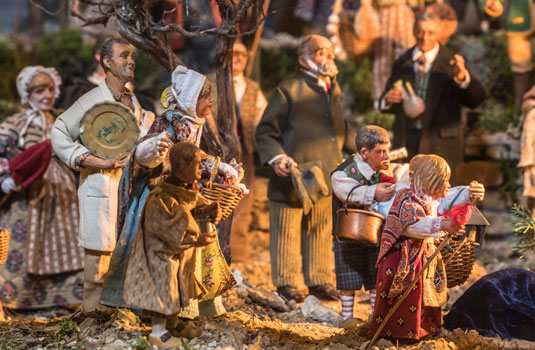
x=475, y=227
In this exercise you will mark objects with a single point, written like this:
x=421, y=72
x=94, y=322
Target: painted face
x=239, y=58
x=427, y=35
x=320, y=57
x=190, y=172
x=123, y=62
x=378, y=158
x=41, y=92
x=204, y=103
x=441, y=193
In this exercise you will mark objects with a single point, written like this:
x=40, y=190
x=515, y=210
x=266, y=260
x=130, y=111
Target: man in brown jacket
x=303, y=123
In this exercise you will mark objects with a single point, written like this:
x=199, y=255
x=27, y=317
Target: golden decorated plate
x=109, y=129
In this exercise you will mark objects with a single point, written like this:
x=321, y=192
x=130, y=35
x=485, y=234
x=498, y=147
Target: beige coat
x=98, y=191
x=160, y=274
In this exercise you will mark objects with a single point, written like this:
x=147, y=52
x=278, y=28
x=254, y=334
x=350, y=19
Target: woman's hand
x=476, y=191
x=214, y=211
x=449, y=226
x=205, y=238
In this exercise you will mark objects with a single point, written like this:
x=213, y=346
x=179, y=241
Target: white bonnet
x=26, y=76
x=186, y=85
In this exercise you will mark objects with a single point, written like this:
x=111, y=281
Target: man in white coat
x=99, y=178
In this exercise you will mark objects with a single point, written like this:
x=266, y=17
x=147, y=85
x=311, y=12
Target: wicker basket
x=459, y=257
x=227, y=196
x=4, y=245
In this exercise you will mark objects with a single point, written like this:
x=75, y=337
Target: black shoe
x=324, y=292
x=291, y=293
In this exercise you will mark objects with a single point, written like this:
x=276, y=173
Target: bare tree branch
x=55, y=13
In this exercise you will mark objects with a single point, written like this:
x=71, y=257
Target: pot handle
x=347, y=199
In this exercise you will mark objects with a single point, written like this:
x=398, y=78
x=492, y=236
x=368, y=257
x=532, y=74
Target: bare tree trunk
x=226, y=109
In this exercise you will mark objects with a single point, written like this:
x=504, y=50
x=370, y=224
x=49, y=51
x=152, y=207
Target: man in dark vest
x=441, y=79
x=303, y=123
x=359, y=181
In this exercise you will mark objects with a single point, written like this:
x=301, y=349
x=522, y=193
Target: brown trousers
x=96, y=268
x=296, y=237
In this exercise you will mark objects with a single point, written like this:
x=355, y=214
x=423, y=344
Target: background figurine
x=99, y=178
x=160, y=276
x=527, y=149
x=444, y=83
x=43, y=215
x=303, y=126
x=250, y=105
x=519, y=28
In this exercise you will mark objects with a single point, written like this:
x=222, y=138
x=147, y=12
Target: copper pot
x=358, y=225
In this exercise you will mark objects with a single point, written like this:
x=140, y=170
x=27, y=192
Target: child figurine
x=408, y=239
x=160, y=275
x=354, y=262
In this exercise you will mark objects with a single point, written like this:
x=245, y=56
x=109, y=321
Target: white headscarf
x=26, y=76
x=186, y=85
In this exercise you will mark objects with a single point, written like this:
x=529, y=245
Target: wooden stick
x=256, y=42
x=409, y=289
x=456, y=251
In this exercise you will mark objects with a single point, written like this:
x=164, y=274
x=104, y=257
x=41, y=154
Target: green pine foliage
x=524, y=230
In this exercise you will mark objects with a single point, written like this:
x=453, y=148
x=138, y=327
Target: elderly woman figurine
x=44, y=265
x=189, y=100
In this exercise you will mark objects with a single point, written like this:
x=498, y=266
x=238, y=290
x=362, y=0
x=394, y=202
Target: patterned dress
x=400, y=260
x=45, y=264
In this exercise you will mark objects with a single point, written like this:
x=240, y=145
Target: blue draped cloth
x=112, y=292
x=500, y=303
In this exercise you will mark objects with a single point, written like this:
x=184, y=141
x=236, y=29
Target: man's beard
x=328, y=69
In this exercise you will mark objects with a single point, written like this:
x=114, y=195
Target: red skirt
x=412, y=319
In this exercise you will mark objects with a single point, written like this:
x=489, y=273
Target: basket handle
x=347, y=199
x=214, y=172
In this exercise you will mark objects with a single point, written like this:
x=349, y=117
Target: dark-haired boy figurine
x=99, y=178
x=160, y=275
x=354, y=262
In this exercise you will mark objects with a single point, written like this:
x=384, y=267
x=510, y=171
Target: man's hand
x=448, y=226
x=106, y=164
x=205, y=239
x=459, y=69
x=282, y=165
x=476, y=190
x=394, y=95
x=214, y=211
x=384, y=191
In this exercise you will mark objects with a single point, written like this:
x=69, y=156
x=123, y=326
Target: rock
x=266, y=298
x=109, y=339
x=292, y=304
x=314, y=309
x=212, y=344
x=384, y=343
